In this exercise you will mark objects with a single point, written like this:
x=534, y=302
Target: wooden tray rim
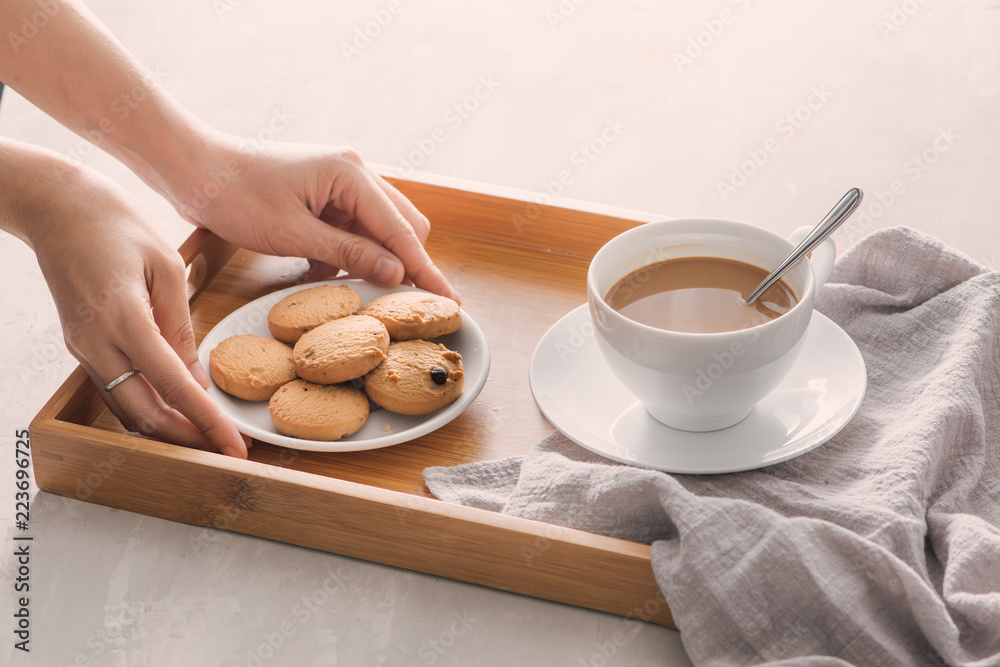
x=54, y=426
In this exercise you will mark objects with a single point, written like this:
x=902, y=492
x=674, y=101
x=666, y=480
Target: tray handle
x=204, y=254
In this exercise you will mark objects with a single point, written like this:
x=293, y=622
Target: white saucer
x=383, y=428
x=578, y=394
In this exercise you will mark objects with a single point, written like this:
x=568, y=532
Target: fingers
x=110, y=273
x=376, y=208
x=417, y=220
x=371, y=260
x=168, y=290
x=169, y=376
x=138, y=407
x=166, y=400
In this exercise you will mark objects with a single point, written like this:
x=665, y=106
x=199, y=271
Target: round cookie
x=417, y=377
x=251, y=367
x=341, y=350
x=307, y=309
x=318, y=412
x=413, y=315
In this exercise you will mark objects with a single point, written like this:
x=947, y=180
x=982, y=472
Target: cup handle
x=821, y=259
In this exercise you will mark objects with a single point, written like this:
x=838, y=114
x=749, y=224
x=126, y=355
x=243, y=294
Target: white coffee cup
x=702, y=381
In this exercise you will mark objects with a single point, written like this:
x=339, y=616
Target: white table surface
x=758, y=111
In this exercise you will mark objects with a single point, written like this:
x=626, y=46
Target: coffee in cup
x=698, y=295
x=700, y=379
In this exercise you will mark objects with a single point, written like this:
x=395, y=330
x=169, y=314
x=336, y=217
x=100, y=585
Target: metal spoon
x=837, y=215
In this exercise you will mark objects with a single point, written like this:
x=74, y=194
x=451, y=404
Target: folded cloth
x=880, y=547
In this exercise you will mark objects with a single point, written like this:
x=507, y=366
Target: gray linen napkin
x=881, y=547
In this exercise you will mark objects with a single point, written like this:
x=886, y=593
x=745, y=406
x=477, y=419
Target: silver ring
x=121, y=378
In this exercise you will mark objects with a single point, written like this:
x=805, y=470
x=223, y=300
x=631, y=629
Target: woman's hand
x=316, y=202
x=119, y=289
x=121, y=294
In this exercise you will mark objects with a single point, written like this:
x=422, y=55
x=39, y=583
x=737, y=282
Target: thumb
x=358, y=255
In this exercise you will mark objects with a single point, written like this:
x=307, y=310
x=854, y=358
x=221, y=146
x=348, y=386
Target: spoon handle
x=837, y=215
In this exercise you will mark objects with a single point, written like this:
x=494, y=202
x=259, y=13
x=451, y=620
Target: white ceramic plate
x=578, y=394
x=383, y=428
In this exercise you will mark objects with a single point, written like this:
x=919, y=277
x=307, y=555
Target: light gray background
x=897, y=97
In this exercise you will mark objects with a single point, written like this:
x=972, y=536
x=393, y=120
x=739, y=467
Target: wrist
x=166, y=147
x=189, y=165
x=29, y=177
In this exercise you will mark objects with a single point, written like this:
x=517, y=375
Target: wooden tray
x=519, y=266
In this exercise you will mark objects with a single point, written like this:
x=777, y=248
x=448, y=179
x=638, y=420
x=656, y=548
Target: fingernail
x=452, y=294
x=237, y=453
x=239, y=449
x=198, y=373
x=388, y=271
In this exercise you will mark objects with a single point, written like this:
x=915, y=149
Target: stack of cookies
x=331, y=355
